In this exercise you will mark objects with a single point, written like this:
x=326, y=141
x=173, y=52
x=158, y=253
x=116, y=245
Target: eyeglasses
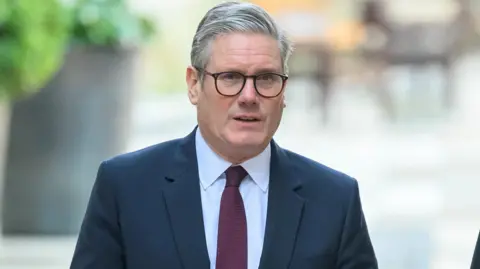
x=229, y=84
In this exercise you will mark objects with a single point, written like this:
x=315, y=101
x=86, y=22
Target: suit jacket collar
x=183, y=201
x=284, y=211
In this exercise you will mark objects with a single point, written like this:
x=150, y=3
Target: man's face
x=218, y=116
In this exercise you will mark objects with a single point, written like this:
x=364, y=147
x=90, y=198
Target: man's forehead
x=246, y=49
x=246, y=42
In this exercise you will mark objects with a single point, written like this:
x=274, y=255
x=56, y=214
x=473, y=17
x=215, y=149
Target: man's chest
x=255, y=202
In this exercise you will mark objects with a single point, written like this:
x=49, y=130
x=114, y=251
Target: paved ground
x=419, y=182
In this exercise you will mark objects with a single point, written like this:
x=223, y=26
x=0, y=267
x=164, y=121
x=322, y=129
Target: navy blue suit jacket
x=145, y=212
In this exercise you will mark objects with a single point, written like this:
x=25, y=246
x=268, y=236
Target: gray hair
x=232, y=17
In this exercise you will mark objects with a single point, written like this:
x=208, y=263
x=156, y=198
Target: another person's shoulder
x=317, y=176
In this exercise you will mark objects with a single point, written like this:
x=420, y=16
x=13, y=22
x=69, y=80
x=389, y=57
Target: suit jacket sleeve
x=99, y=243
x=356, y=250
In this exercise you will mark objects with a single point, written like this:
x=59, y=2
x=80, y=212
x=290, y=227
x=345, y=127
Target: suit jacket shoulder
x=141, y=164
x=317, y=177
x=145, y=156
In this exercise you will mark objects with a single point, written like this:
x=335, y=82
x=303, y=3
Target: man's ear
x=193, y=83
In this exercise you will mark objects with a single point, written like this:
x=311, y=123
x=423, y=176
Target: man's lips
x=247, y=117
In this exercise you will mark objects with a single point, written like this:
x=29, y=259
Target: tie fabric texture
x=232, y=226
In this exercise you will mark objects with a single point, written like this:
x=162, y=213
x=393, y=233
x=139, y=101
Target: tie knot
x=235, y=175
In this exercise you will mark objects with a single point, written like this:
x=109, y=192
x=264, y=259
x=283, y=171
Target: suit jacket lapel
x=183, y=201
x=284, y=213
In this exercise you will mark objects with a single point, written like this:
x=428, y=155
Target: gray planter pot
x=4, y=131
x=60, y=135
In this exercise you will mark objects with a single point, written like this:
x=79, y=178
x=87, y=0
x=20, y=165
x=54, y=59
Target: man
x=226, y=196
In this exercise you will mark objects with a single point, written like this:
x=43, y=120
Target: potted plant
x=33, y=35
x=109, y=23
x=81, y=117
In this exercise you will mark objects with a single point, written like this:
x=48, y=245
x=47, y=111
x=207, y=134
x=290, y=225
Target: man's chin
x=248, y=142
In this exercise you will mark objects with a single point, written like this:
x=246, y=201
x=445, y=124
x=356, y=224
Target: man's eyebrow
x=268, y=70
x=258, y=71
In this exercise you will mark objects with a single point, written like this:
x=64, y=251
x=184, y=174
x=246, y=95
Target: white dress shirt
x=254, y=191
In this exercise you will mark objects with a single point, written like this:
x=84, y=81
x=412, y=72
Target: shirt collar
x=211, y=166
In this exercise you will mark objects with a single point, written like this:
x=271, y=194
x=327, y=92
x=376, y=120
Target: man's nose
x=248, y=94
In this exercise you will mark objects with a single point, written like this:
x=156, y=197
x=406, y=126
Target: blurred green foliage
x=33, y=35
x=109, y=23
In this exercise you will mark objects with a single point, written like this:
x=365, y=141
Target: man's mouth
x=246, y=119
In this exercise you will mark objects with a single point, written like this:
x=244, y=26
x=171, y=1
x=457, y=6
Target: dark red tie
x=232, y=225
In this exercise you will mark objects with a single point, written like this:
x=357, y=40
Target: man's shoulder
x=315, y=175
x=157, y=153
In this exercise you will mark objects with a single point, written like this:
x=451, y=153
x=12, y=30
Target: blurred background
x=386, y=91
